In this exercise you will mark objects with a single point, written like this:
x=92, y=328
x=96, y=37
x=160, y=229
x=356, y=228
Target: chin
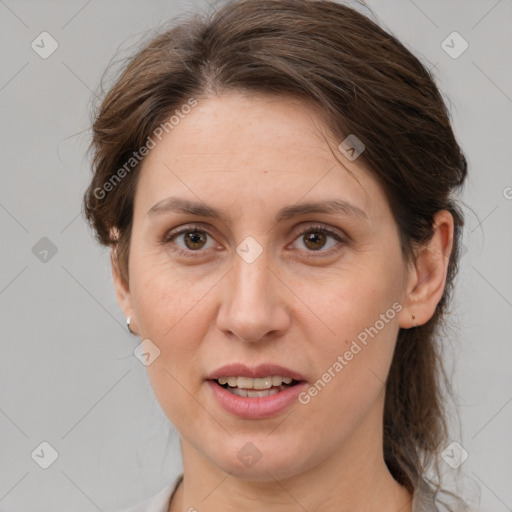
x=260, y=459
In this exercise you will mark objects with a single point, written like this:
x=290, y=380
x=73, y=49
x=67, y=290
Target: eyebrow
x=329, y=206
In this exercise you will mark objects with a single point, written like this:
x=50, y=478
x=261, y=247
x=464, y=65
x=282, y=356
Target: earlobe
x=123, y=293
x=427, y=277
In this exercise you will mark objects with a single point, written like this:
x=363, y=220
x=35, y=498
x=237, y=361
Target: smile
x=255, y=388
x=252, y=403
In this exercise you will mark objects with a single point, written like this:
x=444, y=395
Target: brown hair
x=365, y=82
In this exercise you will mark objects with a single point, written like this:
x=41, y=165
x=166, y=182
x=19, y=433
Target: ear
x=123, y=294
x=427, y=276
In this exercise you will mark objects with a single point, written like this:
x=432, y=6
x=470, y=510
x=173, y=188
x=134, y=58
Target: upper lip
x=262, y=370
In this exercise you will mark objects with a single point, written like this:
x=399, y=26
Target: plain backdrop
x=68, y=376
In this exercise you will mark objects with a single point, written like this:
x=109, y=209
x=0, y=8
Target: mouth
x=255, y=392
x=259, y=392
x=248, y=387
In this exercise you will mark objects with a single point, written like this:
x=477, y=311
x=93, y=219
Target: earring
x=128, y=325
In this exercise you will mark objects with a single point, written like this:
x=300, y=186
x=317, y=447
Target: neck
x=277, y=496
x=352, y=478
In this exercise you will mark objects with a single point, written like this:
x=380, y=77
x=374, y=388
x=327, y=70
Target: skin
x=252, y=156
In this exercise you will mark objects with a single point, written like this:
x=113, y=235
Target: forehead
x=252, y=151
x=235, y=125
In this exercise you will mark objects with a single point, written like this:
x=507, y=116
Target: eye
x=314, y=239
x=192, y=238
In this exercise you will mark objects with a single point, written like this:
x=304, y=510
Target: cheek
x=171, y=310
x=350, y=380
x=352, y=364
x=348, y=301
x=165, y=297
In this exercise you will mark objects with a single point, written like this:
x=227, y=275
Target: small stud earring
x=128, y=325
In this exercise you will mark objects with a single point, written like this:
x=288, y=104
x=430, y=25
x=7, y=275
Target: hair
x=364, y=82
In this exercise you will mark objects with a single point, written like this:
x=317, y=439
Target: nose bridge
x=250, y=280
x=251, y=307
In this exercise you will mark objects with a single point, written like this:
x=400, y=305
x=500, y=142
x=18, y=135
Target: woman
x=276, y=185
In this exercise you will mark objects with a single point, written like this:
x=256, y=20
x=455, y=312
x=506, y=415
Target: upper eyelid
x=200, y=227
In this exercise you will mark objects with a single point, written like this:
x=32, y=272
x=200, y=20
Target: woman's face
x=263, y=285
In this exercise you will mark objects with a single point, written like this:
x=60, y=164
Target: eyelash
x=193, y=227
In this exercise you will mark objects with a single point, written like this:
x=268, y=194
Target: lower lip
x=256, y=408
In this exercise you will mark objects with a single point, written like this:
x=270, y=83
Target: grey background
x=67, y=372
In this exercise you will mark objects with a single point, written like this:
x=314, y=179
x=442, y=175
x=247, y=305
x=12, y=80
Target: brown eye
x=189, y=240
x=319, y=239
x=194, y=239
x=314, y=240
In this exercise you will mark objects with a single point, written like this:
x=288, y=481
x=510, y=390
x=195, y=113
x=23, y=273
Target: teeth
x=250, y=383
x=251, y=393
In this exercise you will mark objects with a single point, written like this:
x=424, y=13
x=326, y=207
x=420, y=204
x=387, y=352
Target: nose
x=253, y=302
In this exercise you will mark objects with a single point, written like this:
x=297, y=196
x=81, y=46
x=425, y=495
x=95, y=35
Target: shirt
x=423, y=499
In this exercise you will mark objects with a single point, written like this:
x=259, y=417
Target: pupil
x=310, y=238
x=195, y=238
